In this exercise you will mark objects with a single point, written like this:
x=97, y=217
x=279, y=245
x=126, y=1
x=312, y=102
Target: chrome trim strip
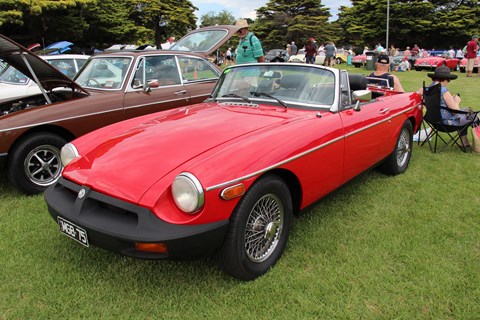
x=238, y=180
x=154, y=103
x=59, y=120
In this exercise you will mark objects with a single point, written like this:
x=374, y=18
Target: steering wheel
x=94, y=81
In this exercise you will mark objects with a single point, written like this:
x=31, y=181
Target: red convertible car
x=109, y=88
x=430, y=63
x=226, y=176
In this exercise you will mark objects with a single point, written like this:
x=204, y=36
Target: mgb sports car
x=226, y=176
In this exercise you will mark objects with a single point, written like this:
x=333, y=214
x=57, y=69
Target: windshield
x=292, y=84
x=13, y=76
x=106, y=73
x=202, y=41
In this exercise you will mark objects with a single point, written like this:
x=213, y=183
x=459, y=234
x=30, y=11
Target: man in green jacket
x=249, y=49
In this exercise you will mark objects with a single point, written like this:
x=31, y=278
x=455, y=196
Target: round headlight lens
x=187, y=193
x=68, y=153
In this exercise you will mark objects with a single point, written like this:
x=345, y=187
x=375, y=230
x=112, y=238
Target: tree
x=211, y=18
x=282, y=21
x=163, y=18
x=430, y=24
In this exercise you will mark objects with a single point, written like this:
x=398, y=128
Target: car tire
x=34, y=163
x=265, y=211
x=397, y=162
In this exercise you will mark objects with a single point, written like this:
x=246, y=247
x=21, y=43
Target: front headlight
x=68, y=153
x=187, y=193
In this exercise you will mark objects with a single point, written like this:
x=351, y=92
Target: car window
x=66, y=66
x=156, y=71
x=105, y=73
x=202, y=41
x=80, y=63
x=303, y=87
x=13, y=76
x=196, y=69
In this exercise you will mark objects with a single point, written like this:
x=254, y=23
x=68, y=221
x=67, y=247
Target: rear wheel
x=397, y=162
x=34, y=163
x=259, y=229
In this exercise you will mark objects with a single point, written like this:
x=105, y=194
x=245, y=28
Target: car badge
x=81, y=193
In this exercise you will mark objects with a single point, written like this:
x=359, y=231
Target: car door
x=156, y=85
x=366, y=131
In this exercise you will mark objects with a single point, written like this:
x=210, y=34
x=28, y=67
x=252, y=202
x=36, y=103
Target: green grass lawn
x=403, y=247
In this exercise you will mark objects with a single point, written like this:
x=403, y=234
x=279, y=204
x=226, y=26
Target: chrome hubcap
x=42, y=165
x=264, y=227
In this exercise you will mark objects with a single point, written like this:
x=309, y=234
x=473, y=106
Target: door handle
x=181, y=92
x=382, y=111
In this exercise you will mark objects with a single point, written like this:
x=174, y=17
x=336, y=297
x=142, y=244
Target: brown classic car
x=109, y=88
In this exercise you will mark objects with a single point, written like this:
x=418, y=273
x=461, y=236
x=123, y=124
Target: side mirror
x=359, y=96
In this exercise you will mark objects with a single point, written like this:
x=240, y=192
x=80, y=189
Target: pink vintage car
x=359, y=60
x=462, y=66
x=436, y=59
x=226, y=176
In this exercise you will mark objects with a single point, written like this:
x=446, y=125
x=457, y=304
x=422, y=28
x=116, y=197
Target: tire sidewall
x=233, y=251
x=17, y=157
x=391, y=166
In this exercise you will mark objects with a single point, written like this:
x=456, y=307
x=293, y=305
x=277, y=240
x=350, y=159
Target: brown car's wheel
x=259, y=229
x=34, y=163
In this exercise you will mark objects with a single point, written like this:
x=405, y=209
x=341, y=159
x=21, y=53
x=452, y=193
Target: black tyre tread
x=232, y=253
x=17, y=156
x=389, y=165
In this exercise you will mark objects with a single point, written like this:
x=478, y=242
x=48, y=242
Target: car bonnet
x=126, y=159
x=33, y=66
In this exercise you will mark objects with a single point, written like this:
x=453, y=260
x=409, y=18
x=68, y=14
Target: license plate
x=73, y=231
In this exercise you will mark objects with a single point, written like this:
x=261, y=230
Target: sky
x=246, y=8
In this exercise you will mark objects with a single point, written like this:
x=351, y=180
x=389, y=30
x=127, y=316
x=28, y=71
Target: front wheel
x=34, y=163
x=397, y=162
x=259, y=229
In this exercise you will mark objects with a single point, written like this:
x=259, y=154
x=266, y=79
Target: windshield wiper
x=237, y=96
x=264, y=94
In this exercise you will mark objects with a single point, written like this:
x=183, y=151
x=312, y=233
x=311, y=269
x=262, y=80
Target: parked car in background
x=14, y=84
x=226, y=176
x=436, y=59
x=359, y=60
x=341, y=56
x=276, y=55
x=300, y=57
x=110, y=88
x=462, y=65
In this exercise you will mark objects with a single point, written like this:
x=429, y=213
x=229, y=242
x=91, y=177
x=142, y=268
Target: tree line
x=101, y=23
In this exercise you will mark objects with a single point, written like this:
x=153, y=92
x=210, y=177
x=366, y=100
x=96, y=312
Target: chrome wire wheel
x=42, y=165
x=403, y=148
x=264, y=227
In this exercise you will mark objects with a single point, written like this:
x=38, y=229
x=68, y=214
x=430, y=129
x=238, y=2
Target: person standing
x=250, y=48
x=310, y=51
x=228, y=56
x=329, y=54
x=472, y=48
x=294, y=48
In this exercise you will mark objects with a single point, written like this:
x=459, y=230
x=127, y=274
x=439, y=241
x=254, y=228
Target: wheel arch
x=60, y=131
x=293, y=185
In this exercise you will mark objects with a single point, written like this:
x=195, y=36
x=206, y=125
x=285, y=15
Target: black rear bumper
x=117, y=225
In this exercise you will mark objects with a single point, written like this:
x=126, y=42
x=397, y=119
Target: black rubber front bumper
x=117, y=225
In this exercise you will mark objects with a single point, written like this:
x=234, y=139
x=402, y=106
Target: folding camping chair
x=433, y=118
